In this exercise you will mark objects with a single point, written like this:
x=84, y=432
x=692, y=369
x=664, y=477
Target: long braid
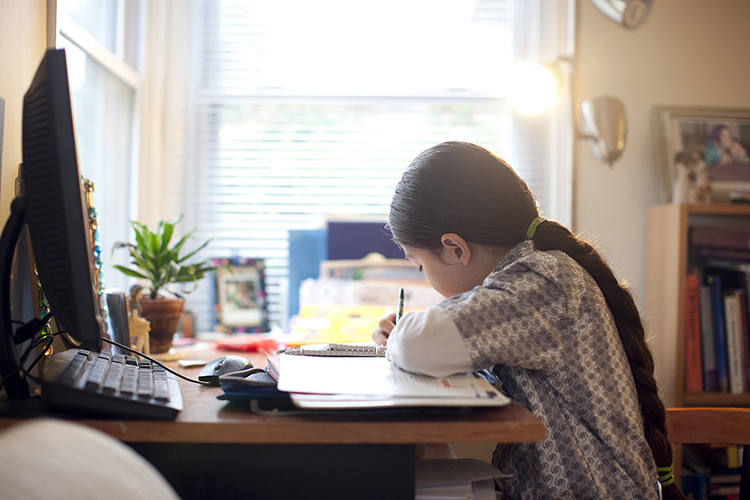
x=551, y=235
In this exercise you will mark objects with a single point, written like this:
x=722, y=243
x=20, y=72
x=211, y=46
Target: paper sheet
x=446, y=479
x=443, y=472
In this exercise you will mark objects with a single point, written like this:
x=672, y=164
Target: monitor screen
x=55, y=206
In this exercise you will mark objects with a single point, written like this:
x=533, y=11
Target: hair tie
x=532, y=227
x=668, y=477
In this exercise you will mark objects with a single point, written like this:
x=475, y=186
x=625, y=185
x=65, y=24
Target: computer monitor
x=53, y=206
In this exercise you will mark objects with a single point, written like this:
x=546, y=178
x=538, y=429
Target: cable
x=138, y=353
x=30, y=329
x=25, y=371
x=48, y=338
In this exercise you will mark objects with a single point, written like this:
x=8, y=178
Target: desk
x=219, y=450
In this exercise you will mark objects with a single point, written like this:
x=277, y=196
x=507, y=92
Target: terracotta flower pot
x=164, y=316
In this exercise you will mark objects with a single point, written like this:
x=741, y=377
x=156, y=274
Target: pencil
x=400, y=305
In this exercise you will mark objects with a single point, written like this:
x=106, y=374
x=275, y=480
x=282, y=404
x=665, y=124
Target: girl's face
x=446, y=276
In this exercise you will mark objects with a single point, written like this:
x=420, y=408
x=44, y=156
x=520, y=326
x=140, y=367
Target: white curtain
x=163, y=112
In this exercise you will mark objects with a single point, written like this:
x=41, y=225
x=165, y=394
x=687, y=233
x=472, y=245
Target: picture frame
x=241, y=302
x=693, y=159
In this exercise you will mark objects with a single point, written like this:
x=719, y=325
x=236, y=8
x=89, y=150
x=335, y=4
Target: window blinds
x=303, y=112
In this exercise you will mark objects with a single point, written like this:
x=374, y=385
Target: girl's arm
x=428, y=343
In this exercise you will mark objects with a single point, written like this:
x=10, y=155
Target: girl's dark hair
x=458, y=187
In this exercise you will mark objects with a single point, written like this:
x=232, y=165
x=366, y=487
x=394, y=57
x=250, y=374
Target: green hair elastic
x=532, y=227
x=668, y=477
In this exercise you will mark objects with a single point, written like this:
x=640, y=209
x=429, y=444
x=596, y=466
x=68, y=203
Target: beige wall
x=22, y=43
x=687, y=53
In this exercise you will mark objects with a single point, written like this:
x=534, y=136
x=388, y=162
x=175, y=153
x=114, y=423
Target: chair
x=49, y=458
x=714, y=426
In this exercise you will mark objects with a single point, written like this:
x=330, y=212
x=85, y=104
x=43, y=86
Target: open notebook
x=373, y=382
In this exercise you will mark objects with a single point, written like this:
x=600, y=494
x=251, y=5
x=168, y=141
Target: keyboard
x=109, y=385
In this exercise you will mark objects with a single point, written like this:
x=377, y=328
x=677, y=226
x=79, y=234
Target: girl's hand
x=383, y=331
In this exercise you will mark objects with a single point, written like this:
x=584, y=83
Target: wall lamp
x=533, y=90
x=628, y=13
x=603, y=125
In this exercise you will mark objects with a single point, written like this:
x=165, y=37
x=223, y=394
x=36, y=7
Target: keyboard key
x=129, y=380
x=112, y=380
x=97, y=373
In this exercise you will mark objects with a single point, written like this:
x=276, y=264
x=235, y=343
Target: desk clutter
x=350, y=296
x=455, y=479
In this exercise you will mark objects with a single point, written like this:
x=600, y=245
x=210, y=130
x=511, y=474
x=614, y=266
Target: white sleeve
x=428, y=343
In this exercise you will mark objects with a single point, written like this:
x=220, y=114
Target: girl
x=541, y=309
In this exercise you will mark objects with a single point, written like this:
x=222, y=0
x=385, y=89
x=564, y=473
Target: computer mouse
x=221, y=366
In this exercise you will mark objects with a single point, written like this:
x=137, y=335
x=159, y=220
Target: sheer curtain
x=163, y=113
x=301, y=112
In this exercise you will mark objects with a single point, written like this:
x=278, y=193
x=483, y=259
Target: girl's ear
x=455, y=249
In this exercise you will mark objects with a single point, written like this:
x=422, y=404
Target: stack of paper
x=451, y=479
x=373, y=382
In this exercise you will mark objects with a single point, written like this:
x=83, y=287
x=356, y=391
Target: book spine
x=745, y=333
x=693, y=364
x=719, y=333
x=695, y=485
x=708, y=346
x=724, y=238
x=733, y=318
x=731, y=254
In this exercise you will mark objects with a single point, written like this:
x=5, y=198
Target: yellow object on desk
x=321, y=324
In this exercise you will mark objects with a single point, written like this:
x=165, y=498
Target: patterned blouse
x=541, y=323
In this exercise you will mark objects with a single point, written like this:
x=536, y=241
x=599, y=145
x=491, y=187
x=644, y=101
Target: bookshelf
x=668, y=258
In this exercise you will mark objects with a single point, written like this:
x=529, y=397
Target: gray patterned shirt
x=542, y=324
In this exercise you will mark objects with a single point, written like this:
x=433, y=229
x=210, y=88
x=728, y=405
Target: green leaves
x=154, y=260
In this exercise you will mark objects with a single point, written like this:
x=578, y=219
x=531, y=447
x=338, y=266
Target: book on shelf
x=722, y=238
x=710, y=471
x=734, y=342
x=731, y=254
x=708, y=345
x=693, y=362
x=745, y=337
x=696, y=474
x=695, y=485
x=734, y=280
x=719, y=332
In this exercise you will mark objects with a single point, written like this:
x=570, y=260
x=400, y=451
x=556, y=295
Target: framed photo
x=703, y=153
x=241, y=295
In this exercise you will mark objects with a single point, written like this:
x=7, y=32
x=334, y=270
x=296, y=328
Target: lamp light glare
x=532, y=88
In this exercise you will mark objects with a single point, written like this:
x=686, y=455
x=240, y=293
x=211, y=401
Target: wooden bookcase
x=666, y=268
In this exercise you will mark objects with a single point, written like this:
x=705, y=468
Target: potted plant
x=153, y=259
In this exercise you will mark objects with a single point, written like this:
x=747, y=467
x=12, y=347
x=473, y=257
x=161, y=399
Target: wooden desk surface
x=206, y=419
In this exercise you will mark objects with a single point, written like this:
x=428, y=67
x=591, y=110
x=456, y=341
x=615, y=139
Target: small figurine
x=139, y=326
x=691, y=184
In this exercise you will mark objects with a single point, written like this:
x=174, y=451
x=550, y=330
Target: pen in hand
x=400, y=306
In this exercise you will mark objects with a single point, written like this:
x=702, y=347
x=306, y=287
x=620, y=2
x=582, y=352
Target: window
x=104, y=94
x=301, y=111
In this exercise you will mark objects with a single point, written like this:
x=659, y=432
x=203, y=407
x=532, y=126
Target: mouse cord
x=138, y=353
